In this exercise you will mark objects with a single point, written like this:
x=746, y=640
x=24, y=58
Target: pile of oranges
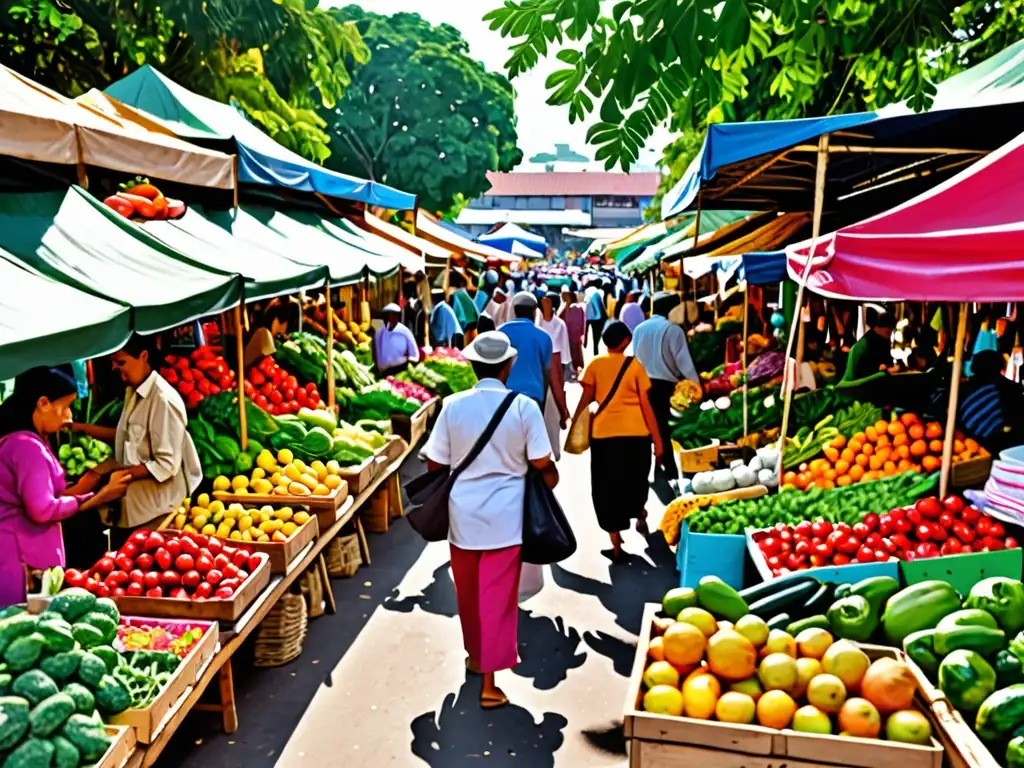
x=887, y=448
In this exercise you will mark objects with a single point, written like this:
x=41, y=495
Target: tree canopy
x=691, y=62
x=279, y=60
x=421, y=114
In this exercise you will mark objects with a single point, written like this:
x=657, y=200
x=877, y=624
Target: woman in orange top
x=621, y=436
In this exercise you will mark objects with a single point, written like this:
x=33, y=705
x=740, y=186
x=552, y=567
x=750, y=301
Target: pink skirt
x=487, y=590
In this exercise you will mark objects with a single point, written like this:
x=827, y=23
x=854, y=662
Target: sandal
x=493, y=701
x=641, y=525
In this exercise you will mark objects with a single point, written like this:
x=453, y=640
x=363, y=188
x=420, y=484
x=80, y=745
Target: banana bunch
x=856, y=418
x=808, y=442
x=686, y=394
x=676, y=512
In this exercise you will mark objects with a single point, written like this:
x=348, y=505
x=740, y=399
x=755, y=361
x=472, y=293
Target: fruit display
x=178, y=638
x=187, y=566
x=761, y=469
x=276, y=391
x=455, y=369
x=140, y=199
x=306, y=355
x=81, y=454
x=409, y=390
x=711, y=659
x=808, y=442
x=236, y=522
x=677, y=511
x=198, y=375
x=374, y=404
x=928, y=528
x=422, y=376
x=685, y=394
x=838, y=505
x=721, y=381
x=881, y=450
x=280, y=475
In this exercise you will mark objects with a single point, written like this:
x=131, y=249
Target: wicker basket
x=313, y=590
x=377, y=514
x=282, y=632
x=343, y=558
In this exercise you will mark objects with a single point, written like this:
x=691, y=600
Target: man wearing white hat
x=485, y=529
x=394, y=346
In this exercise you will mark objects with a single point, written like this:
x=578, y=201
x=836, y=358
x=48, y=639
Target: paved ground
x=382, y=683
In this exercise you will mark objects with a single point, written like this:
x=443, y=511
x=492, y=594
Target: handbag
x=427, y=510
x=547, y=535
x=578, y=439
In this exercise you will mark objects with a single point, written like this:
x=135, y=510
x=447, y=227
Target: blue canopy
x=747, y=165
x=764, y=268
x=261, y=160
x=507, y=235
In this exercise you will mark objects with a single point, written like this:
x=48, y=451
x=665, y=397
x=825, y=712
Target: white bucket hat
x=490, y=348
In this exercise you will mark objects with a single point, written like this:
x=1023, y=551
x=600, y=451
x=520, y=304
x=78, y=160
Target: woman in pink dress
x=576, y=324
x=34, y=496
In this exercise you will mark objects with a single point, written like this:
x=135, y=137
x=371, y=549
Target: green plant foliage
x=639, y=64
x=422, y=115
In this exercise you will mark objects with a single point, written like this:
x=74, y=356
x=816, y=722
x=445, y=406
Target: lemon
x=333, y=467
x=246, y=535
x=267, y=526
x=276, y=478
x=189, y=529
x=282, y=490
x=221, y=483
x=266, y=462
x=223, y=531
x=199, y=521
x=301, y=517
x=258, y=473
x=284, y=514
x=332, y=482
x=292, y=473
x=235, y=536
x=216, y=506
x=203, y=500
x=320, y=469
x=179, y=520
x=244, y=523
x=278, y=536
x=289, y=528
x=209, y=529
x=239, y=482
x=262, y=486
x=285, y=456
x=321, y=490
x=300, y=465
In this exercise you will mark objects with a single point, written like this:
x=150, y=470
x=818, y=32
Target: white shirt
x=486, y=504
x=662, y=350
x=395, y=347
x=153, y=432
x=499, y=313
x=555, y=328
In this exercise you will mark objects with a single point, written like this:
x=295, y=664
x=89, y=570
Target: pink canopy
x=962, y=240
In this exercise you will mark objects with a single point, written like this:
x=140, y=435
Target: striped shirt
x=981, y=411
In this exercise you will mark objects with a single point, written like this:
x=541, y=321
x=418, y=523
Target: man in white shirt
x=554, y=326
x=394, y=346
x=486, y=504
x=662, y=349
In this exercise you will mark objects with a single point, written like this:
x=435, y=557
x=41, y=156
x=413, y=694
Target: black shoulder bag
x=427, y=510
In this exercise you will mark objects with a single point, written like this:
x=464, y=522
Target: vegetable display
x=187, y=566
x=140, y=199
x=306, y=354
x=153, y=635
x=740, y=474
x=457, y=373
x=685, y=394
x=199, y=375
x=839, y=505
x=808, y=442
x=409, y=390
x=426, y=378
x=283, y=475
x=82, y=454
x=374, y=404
x=928, y=528
x=274, y=390
x=713, y=656
x=235, y=522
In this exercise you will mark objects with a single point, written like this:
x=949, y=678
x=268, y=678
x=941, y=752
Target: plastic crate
x=964, y=571
x=833, y=574
x=710, y=554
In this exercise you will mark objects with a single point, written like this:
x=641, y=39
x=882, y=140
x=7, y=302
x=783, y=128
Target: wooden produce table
x=231, y=637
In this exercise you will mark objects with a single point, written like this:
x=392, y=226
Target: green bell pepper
x=1009, y=669
x=1016, y=646
x=970, y=617
x=981, y=639
x=1015, y=751
x=919, y=606
x=1003, y=598
x=852, y=618
x=876, y=590
x=966, y=679
x=920, y=647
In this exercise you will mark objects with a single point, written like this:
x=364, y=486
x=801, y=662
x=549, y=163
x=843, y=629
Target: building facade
x=549, y=202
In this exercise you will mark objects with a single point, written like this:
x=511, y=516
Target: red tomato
x=301, y=397
x=848, y=545
x=191, y=579
x=821, y=528
x=129, y=549
x=174, y=547
x=802, y=547
x=170, y=579
x=204, y=564
x=914, y=516
x=151, y=580
x=1010, y=543
x=214, y=577
x=773, y=562
x=946, y=520
x=840, y=559
x=970, y=514
x=861, y=531
x=204, y=590
x=873, y=540
x=886, y=526
x=995, y=528
x=276, y=397
x=311, y=388
x=163, y=559
x=953, y=504
x=871, y=521
x=929, y=507
x=951, y=547
x=104, y=566
x=154, y=592
x=881, y=556
x=865, y=555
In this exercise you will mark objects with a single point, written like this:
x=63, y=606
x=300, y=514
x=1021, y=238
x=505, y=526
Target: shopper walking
x=555, y=328
x=621, y=436
x=445, y=330
x=632, y=315
x=486, y=505
x=576, y=326
x=596, y=315
x=661, y=348
x=393, y=345
x=538, y=368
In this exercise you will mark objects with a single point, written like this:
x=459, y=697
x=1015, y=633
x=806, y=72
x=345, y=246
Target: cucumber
x=779, y=621
x=818, y=602
x=785, y=600
x=766, y=588
x=819, y=621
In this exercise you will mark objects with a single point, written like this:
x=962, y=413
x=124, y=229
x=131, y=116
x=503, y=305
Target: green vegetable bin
x=964, y=571
x=710, y=554
x=831, y=574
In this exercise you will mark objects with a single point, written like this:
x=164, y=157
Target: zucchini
x=766, y=588
x=818, y=621
x=785, y=600
x=779, y=621
x=818, y=602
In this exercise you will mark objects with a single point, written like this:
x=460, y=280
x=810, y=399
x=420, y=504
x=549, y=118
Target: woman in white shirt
x=486, y=505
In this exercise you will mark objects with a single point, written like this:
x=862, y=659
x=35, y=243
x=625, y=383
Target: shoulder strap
x=488, y=432
x=615, y=386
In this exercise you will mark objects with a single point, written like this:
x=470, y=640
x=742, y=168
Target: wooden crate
x=971, y=473
x=696, y=460
x=281, y=553
x=412, y=428
x=395, y=447
x=313, y=503
x=360, y=477
x=685, y=741
x=120, y=749
x=192, y=665
x=220, y=610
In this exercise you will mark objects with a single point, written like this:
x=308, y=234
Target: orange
x=847, y=455
x=831, y=474
x=856, y=472
x=902, y=452
x=972, y=444
x=872, y=475
x=862, y=460
x=931, y=463
x=789, y=478
x=871, y=434
x=889, y=468
x=959, y=446
x=896, y=428
x=831, y=453
x=916, y=432
x=868, y=449
x=839, y=442
x=842, y=466
x=881, y=426
x=876, y=461
x=935, y=446
x=883, y=453
x=844, y=480
x=825, y=484
x=683, y=644
x=883, y=440
x=855, y=446
x=933, y=430
x=803, y=479
x=909, y=418
x=859, y=437
x=905, y=465
x=901, y=439
x=919, y=448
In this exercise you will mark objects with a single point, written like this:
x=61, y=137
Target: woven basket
x=281, y=634
x=313, y=591
x=343, y=558
x=376, y=515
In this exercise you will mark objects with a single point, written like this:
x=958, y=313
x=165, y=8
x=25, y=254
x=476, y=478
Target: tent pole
x=743, y=357
x=696, y=234
x=243, y=426
x=82, y=176
x=330, y=348
x=788, y=379
x=234, y=181
x=954, y=396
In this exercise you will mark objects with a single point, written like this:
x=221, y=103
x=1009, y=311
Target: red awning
x=962, y=240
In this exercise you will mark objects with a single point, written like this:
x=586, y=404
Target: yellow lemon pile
x=238, y=523
x=284, y=475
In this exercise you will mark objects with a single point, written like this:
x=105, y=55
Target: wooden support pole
x=240, y=349
x=234, y=181
x=330, y=348
x=791, y=372
x=954, y=396
x=743, y=357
